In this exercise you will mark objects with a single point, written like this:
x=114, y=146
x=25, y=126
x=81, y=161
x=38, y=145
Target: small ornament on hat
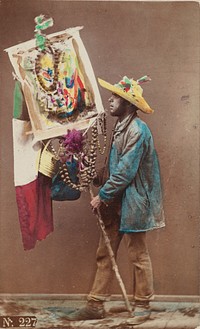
x=143, y=79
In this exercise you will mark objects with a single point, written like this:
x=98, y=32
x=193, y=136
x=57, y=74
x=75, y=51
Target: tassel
x=42, y=24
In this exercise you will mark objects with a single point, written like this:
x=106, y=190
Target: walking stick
x=112, y=256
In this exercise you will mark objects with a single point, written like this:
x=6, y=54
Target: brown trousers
x=138, y=255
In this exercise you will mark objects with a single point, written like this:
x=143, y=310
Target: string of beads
x=87, y=171
x=56, y=59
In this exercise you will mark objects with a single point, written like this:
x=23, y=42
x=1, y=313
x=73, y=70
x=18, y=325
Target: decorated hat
x=130, y=90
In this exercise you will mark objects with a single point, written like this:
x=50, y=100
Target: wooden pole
x=112, y=257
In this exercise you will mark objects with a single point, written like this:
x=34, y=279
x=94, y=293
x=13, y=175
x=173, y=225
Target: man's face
x=116, y=105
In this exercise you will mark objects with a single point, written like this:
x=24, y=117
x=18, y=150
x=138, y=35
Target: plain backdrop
x=160, y=39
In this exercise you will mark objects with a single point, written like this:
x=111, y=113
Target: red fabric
x=35, y=210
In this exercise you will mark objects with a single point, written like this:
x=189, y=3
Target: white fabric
x=26, y=154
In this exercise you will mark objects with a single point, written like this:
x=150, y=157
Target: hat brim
x=136, y=100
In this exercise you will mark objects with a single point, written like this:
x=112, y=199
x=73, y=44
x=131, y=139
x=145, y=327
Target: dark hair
x=134, y=107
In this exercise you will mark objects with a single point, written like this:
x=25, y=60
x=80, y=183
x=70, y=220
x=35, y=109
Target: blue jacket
x=135, y=176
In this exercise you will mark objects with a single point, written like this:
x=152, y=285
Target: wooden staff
x=112, y=256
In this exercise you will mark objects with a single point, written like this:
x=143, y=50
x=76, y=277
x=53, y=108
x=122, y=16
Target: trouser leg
x=142, y=267
x=104, y=273
x=94, y=308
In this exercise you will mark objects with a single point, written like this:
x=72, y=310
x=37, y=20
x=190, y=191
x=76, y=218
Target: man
x=130, y=201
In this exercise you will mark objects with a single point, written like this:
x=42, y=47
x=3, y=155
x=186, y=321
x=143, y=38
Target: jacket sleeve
x=126, y=169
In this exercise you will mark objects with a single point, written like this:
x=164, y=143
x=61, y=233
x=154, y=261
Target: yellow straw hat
x=130, y=90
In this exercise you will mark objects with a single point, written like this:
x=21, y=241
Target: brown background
x=122, y=38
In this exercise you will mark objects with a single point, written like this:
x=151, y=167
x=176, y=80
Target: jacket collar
x=122, y=125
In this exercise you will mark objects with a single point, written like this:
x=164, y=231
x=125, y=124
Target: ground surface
x=51, y=314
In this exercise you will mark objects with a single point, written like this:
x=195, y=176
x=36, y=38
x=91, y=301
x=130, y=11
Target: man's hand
x=95, y=203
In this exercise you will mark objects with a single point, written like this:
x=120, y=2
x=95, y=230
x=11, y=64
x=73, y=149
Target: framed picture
x=58, y=83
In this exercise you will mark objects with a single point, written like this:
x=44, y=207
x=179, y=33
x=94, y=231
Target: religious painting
x=57, y=79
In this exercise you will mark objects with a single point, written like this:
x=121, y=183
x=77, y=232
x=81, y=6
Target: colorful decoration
x=143, y=79
x=86, y=159
x=57, y=83
x=62, y=90
x=57, y=80
x=130, y=90
x=75, y=147
x=61, y=83
x=73, y=141
x=42, y=24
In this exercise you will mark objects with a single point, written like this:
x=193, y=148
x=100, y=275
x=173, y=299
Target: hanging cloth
x=33, y=190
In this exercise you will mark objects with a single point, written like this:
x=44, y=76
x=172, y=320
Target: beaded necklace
x=86, y=163
x=55, y=60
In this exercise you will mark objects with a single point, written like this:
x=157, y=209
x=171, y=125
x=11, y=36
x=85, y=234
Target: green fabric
x=40, y=41
x=18, y=101
x=20, y=110
x=43, y=23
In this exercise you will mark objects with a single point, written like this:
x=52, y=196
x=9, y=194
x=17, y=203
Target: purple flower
x=73, y=141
